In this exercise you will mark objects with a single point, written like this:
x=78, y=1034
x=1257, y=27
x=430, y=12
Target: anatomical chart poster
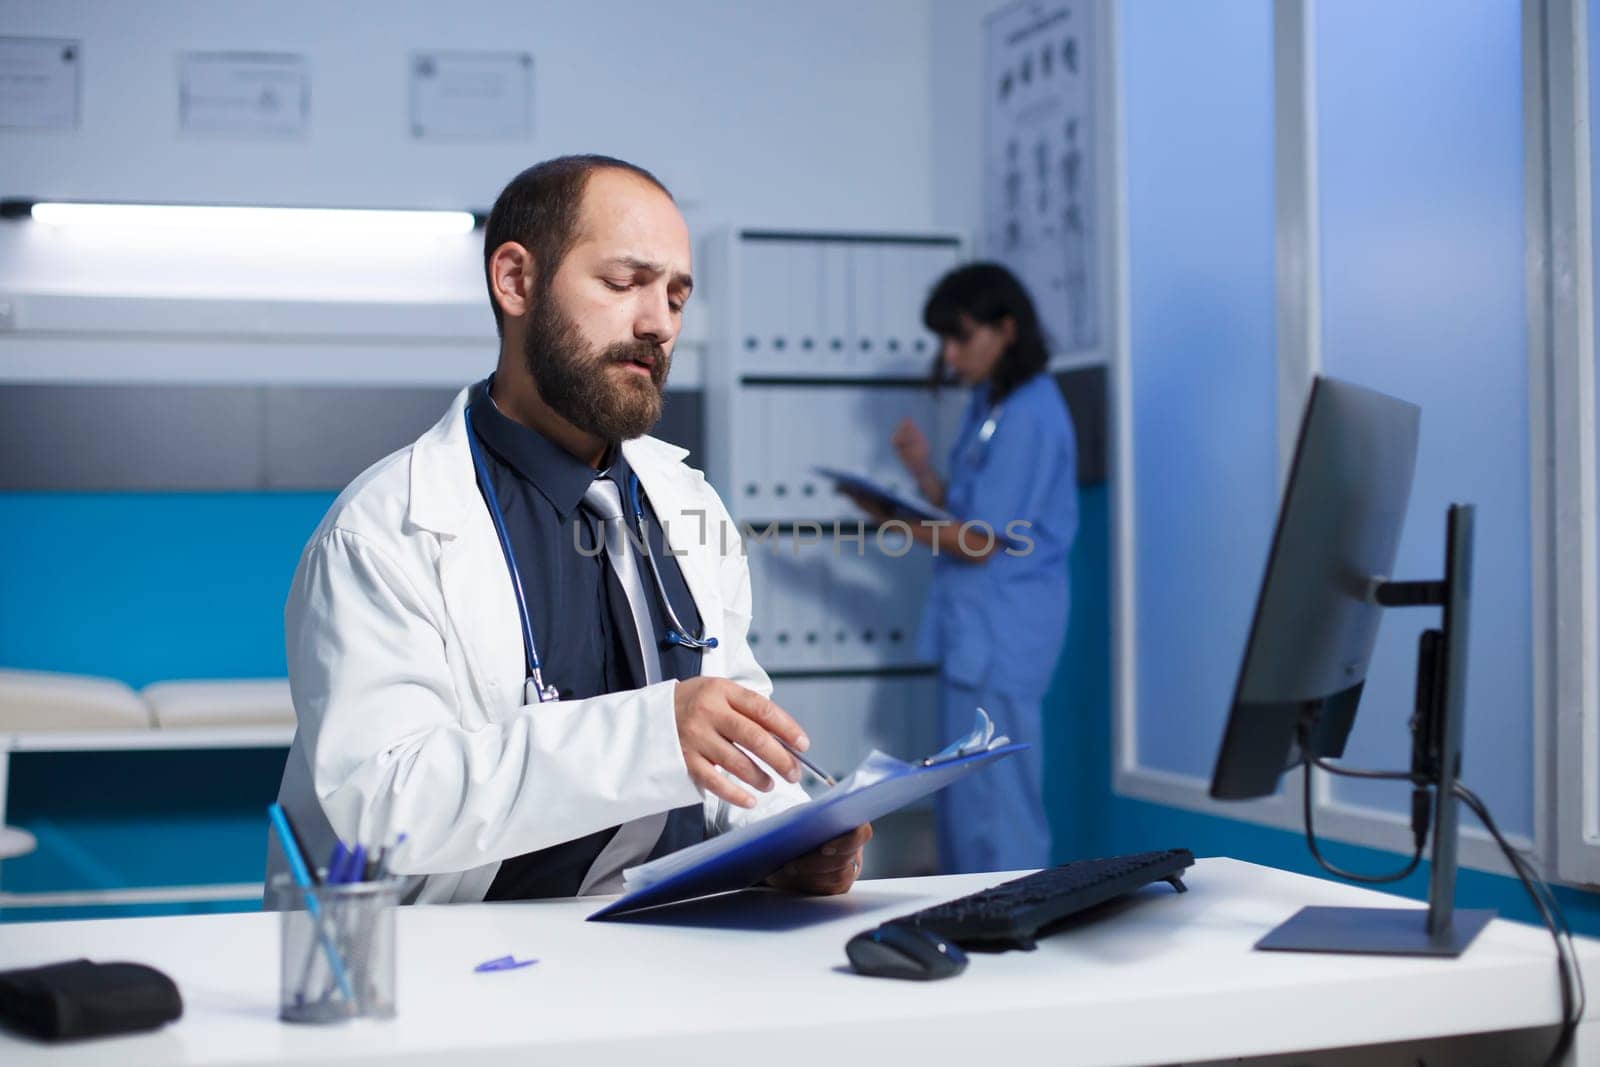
x=1040, y=211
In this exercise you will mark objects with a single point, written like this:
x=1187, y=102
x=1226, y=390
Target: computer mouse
x=893, y=951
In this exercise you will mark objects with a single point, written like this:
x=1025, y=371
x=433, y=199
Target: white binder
x=834, y=323
x=805, y=571
x=902, y=281
x=763, y=275
x=803, y=262
x=866, y=315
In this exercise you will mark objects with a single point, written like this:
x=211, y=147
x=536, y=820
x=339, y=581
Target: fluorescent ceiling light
x=216, y=218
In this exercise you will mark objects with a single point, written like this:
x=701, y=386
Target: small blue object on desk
x=502, y=963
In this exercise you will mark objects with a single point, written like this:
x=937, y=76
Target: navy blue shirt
x=582, y=623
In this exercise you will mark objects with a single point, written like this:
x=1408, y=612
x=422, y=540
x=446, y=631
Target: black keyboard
x=1012, y=914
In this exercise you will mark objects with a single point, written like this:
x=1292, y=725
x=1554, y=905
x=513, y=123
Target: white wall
x=957, y=94
x=959, y=98
x=813, y=115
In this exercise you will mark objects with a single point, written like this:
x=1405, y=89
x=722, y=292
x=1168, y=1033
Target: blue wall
x=109, y=581
x=150, y=586
x=1077, y=721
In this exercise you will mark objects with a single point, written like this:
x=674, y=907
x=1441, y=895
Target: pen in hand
x=807, y=764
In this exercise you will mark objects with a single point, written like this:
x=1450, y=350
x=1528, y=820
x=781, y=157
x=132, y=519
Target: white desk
x=1165, y=979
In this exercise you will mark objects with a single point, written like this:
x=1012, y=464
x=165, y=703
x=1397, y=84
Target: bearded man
x=521, y=641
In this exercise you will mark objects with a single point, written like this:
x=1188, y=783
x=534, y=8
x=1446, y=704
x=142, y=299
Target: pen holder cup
x=338, y=959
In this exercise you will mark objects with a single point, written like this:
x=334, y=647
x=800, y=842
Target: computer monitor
x=1316, y=622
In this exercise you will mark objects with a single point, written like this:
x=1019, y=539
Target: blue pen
x=299, y=843
x=503, y=963
x=356, y=869
x=383, y=858
x=337, y=861
x=302, y=878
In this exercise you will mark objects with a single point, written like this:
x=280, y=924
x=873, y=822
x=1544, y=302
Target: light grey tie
x=604, y=499
x=633, y=841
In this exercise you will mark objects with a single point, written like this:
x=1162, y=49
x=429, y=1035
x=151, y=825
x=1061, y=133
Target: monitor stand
x=1439, y=929
x=1375, y=932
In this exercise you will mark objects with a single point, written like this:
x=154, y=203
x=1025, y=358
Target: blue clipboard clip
x=981, y=739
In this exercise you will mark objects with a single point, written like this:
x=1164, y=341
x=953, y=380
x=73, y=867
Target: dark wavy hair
x=539, y=210
x=988, y=294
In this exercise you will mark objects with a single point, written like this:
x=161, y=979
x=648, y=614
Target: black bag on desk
x=80, y=998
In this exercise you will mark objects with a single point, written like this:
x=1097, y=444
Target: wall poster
x=1040, y=211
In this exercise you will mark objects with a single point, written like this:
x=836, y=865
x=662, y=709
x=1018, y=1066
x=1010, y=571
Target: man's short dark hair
x=539, y=210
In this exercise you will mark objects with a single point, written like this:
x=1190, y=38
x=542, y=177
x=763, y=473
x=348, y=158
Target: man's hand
x=716, y=718
x=829, y=870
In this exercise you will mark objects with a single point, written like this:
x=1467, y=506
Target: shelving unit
x=818, y=351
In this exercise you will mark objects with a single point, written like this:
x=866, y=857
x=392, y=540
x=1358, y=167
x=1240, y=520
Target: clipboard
x=742, y=858
x=917, y=509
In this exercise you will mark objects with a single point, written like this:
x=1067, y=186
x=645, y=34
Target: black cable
x=1419, y=821
x=1574, y=995
x=1555, y=920
x=1366, y=879
x=1566, y=956
x=1349, y=772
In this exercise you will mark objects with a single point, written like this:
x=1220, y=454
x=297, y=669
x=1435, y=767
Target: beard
x=579, y=383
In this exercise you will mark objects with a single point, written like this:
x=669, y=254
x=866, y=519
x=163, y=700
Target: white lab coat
x=406, y=666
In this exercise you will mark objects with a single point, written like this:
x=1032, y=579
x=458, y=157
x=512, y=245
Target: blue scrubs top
x=999, y=625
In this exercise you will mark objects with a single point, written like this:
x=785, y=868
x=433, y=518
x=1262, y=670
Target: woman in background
x=996, y=613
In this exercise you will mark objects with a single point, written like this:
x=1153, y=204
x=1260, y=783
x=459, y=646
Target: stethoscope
x=677, y=634
x=979, y=447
